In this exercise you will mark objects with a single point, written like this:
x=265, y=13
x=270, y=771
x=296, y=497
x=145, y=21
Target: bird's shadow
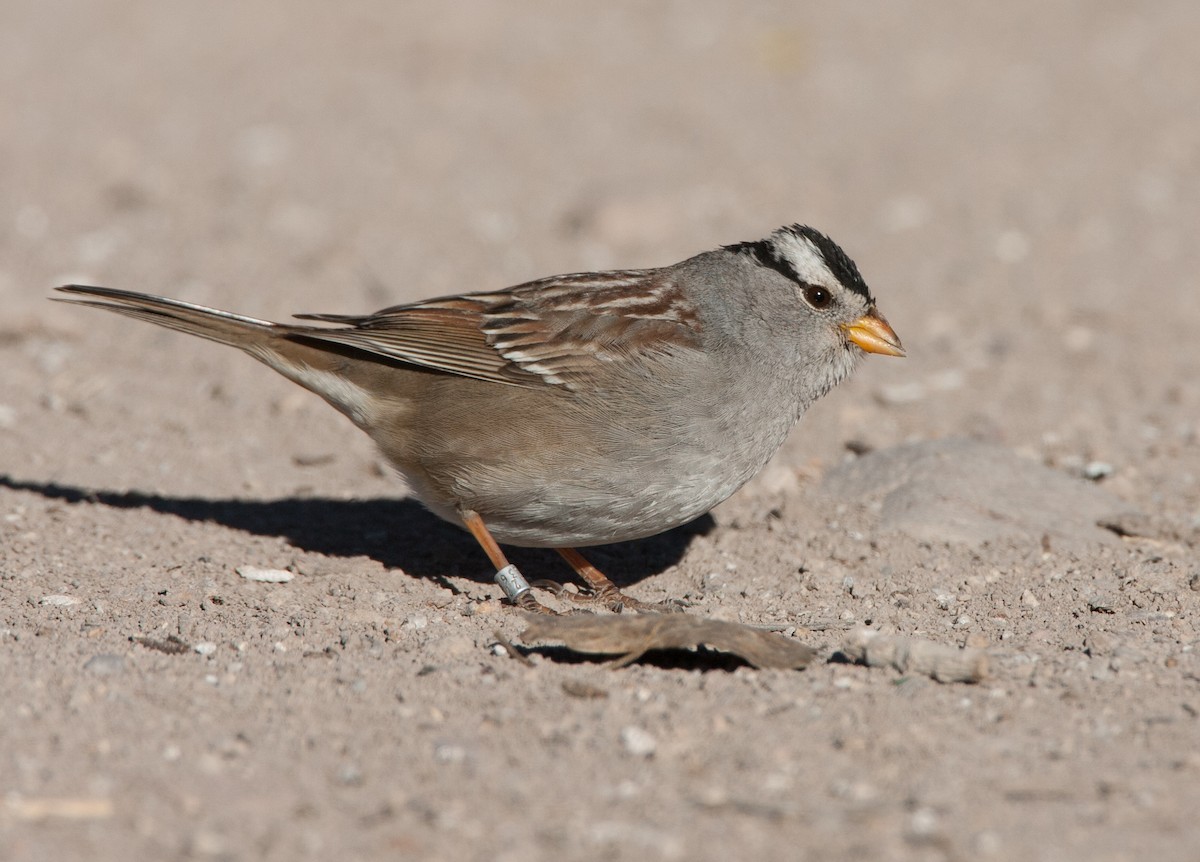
x=397, y=533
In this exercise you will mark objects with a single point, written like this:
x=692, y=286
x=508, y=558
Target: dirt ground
x=1020, y=185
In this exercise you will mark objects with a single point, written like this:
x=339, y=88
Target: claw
x=617, y=602
x=527, y=602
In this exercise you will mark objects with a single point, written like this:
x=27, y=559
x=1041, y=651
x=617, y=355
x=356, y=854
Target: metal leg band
x=512, y=582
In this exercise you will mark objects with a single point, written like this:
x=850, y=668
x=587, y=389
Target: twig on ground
x=915, y=655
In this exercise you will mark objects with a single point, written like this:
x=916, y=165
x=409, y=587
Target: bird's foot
x=526, y=601
x=519, y=592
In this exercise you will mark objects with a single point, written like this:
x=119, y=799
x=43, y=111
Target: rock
x=105, y=664
x=265, y=576
x=415, y=623
x=638, y=742
x=963, y=491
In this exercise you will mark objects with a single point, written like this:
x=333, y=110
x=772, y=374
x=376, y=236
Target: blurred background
x=1019, y=183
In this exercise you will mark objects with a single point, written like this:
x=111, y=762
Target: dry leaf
x=632, y=636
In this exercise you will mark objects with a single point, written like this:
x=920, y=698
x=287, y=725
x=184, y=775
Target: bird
x=580, y=409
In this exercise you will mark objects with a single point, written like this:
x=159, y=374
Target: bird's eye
x=817, y=296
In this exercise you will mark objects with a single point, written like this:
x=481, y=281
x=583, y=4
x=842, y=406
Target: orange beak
x=874, y=334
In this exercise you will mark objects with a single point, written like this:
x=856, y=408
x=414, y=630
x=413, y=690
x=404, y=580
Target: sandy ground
x=1019, y=184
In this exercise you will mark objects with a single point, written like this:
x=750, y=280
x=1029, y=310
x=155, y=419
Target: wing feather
x=555, y=331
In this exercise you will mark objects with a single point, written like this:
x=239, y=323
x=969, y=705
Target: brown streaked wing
x=565, y=328
x=443, y=338
x=554, y=331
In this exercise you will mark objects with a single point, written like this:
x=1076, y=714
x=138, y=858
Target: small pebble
x=1097, y=470
x=205, y=648
x=105, y=664
x=896, y=394
x=449, y=752
x=1029, y=600
x=59, y=601
x=265, y=576
x=712, y=796
x=638, y=742
x=350, y=775
x=924, y=821
x=948, y=380
x=715, y=582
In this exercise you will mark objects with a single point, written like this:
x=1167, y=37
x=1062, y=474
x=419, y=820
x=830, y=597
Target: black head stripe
x=838, y=261
x=766, y=253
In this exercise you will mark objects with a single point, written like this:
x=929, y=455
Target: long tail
x=211, y=323
x=326, y=369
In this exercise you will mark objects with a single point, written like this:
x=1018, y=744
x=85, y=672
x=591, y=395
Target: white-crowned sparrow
x=579, y=409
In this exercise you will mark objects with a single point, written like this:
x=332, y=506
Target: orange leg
x=507, y=576
x=605, y=592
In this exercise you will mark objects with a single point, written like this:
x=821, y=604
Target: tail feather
x=221, y=326
x=298, y=353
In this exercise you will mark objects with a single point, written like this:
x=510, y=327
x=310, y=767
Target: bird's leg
x=604, y=592
x=515, y=587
